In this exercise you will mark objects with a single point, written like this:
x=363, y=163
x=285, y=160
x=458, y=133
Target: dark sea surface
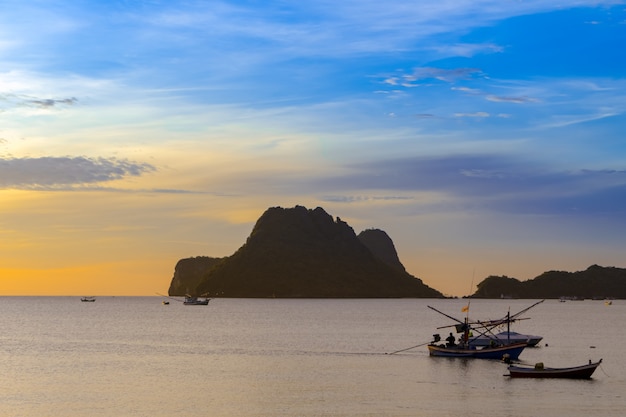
x=134, y=356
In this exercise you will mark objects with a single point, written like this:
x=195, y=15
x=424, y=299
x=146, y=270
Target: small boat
x=166, y=303
x=88, y=299
x=196, y=301
x=505, y=337
x=511, y=351
x=539, y=371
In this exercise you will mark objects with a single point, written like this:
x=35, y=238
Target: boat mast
x=466, y=331
x=508, y=326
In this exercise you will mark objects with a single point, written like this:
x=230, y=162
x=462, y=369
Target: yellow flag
x=465, y=309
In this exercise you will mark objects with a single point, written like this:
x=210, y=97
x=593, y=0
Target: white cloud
x=518, y=100
x=467, y=50
x=479, y=114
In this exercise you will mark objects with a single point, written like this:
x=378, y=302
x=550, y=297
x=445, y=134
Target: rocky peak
x=299, y=252
x=381, y=245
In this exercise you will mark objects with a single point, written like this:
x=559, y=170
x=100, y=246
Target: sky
x=485, y=137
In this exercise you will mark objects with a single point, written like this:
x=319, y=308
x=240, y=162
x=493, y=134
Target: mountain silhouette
x=303, y=253
x=594, y=282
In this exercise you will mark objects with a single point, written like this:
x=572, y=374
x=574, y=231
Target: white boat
x=505, y=338
x=195, y=301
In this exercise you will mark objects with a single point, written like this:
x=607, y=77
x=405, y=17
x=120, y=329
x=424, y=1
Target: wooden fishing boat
x=497, y=349
x=464, y=351
x=539, y=371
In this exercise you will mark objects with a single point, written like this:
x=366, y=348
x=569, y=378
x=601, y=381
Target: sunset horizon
x=485, y=138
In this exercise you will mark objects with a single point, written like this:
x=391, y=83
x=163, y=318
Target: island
x=303, y=253
x=596, y=282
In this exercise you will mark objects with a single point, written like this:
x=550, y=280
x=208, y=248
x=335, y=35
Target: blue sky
x=482, y=136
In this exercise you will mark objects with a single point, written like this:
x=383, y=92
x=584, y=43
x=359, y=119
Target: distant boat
x=196, y=301
x=88, y=299
x=571, y=298
x=189, y=300
x=539, y=371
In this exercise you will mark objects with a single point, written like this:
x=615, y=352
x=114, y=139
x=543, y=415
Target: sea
x=135, y=356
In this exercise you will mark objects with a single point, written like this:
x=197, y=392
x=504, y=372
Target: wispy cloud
x=361, y=198
x=49, y=102
x=478, y=114
x=493, y=182
x=504, y=99
x=424, y=116
x=19, y=100
x=55, y=172
x=568, y=120
x=467, y=50
x=433, y=74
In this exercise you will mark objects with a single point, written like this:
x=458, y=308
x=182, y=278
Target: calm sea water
x=133, y=356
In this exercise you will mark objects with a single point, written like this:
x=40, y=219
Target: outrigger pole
x=409, y=348
x=508, y=318
x=465, y=326
x=450, y=317
x=488, y=326
x=167, y=296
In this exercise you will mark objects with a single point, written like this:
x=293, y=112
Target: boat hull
x=576, y=372
x=512, y=351
x=196, y=302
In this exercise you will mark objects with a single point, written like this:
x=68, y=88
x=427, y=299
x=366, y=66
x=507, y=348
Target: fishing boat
x=88, y=299
x=539, y=371
x=465, y=348
x=196, y=301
